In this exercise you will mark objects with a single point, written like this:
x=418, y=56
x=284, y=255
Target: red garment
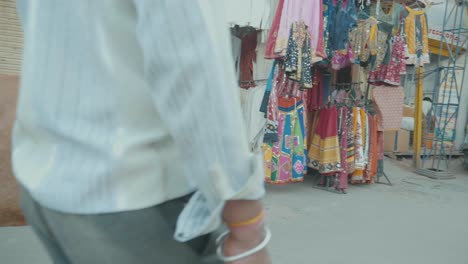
x=271, y=41
x=248, y=56
x=324, y=151
x=314, y=95
x=321, y=41
x=390, y=74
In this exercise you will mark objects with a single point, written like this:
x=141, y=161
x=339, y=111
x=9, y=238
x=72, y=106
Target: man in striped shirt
x=129, y=142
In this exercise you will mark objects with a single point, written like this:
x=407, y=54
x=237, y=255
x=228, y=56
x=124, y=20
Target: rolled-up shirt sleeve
x=186, y=49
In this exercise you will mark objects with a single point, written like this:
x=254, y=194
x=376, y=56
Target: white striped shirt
x=128, y=104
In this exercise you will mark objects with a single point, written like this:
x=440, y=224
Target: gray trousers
x=141, y=236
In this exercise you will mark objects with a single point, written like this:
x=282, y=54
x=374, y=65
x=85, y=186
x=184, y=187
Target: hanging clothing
x=306, y=11
x=297, y=63
x=326, y=87
x=371, y=171
x=285, y=160
x=344, y=20
x=313, y=121
x=389, y=105
x=324, y=151
x=342, y=58
x=271, y=83
x=327, y=14
x=350, y=140
x=343, y=137
x=362, y=40
x=359, y=162
x=248, y=56
x=416, y=36
x=391, y=17
x=365, y=135
x=314, y=98
x=378, y=12
x=390, y=74
x=320, y=52
x=380, y=54
x=269, y=107
x=273, y=34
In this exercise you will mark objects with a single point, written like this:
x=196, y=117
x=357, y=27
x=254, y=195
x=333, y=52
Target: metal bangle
x=248, y=253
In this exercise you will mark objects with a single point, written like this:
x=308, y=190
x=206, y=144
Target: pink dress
x=321, y=54
x=308, y=11
x=273, y=34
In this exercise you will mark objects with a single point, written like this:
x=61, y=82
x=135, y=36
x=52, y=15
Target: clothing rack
x=346, y=83
x=255, y=82
x=323, y=183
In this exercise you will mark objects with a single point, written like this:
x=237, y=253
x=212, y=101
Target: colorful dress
x=371, y=171
x=343, y=133
x=416, y=36
x=324, y=151
x=285, y=160
x=314, y=97
x=306, y=11
x=390, y=74
x=297, y=63
x=345, y=19
x=359, y=161
x=350, y=139
x=362, y=40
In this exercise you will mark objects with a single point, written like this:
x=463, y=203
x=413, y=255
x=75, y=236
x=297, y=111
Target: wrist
x=230, y=250
x=237, y=211
x=253, y=234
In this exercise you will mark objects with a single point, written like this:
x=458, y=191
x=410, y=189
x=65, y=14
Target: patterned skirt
x=324, y=151
x=285, y=160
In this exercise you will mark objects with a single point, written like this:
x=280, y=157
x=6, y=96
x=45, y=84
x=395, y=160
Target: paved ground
x=417, y=221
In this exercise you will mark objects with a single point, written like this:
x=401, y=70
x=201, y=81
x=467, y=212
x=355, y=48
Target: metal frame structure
x=436, y=157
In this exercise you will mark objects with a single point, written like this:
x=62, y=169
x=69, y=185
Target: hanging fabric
x=343, y=137
x=248, y=56
x=285, y=160
x=389, y=103
x=273, y=34
x=308, y=12
x=416, y=35
x=324, y=150
x=297, y=62
x=268, y=107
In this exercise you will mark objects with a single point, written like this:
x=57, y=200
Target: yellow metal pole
x=418, y=117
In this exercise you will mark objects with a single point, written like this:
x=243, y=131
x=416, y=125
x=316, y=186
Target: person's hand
x=247, y=237
x=236, y=244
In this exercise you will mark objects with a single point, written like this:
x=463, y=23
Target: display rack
x=439, y=141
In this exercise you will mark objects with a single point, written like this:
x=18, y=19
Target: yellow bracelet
x=251, y=221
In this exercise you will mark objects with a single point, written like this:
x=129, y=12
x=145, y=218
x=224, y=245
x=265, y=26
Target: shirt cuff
x=250, y=186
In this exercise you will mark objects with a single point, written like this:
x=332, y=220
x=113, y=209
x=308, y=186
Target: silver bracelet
x=248, y=253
